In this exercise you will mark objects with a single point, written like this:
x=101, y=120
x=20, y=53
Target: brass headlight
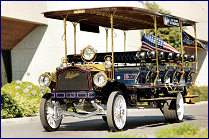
x=108, y=62
x=88, y=53
x=63, y=63
x=45, y=80
x=100, y=79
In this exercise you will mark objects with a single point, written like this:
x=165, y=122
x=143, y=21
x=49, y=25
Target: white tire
x=174, y=109
x=47, y=114
x=116, y=111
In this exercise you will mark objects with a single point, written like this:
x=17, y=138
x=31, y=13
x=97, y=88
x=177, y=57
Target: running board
x=146, y=107
x=167, y=98
x=174, y=91
x=191, y=96
x=157, y=99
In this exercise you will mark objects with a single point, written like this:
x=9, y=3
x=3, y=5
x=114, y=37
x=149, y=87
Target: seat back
x=143, y=74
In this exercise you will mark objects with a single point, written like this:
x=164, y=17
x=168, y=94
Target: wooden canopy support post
x=155, y=26
x=196, y=46
x=111, y=20
x=182, y=47
x=182, y=53
x=195, y=33
x=74, y=25
x=65, y=40
x=124, y=32
x=106, y=29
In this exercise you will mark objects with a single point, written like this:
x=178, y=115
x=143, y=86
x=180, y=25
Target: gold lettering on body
x=71, y=75
x=78, y=11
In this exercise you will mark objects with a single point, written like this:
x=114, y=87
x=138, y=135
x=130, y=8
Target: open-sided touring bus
x=108, y=83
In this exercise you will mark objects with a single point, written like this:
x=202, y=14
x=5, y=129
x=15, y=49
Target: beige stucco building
x=32, y=44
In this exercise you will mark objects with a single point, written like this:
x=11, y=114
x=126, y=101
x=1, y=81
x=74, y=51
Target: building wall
x=24, y=10
x=202, y=78
x=28, y=56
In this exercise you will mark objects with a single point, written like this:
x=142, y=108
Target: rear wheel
x=173, y=110
x=116, y=111
x=49, y=117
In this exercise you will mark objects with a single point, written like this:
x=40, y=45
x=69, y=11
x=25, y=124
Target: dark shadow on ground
x=189, y=117
x=132, y=122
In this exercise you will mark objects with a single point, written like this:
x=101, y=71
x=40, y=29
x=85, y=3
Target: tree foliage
x=170, y=35
x=155, y=7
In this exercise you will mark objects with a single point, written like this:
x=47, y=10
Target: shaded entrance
x=6, y=67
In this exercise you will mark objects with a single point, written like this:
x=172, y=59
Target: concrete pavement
x=142, y=122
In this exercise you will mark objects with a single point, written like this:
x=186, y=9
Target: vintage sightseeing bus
x=109, y=83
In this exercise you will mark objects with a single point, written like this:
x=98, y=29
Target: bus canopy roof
x=125, y=18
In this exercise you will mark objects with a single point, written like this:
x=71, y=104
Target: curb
x=35, y=118
x=21, y=119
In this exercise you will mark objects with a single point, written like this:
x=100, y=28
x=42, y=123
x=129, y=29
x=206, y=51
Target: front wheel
x=116, y=111
x=49, y=117
x=173, y=110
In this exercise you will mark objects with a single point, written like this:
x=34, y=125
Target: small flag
x=189, y=41
x=148, y=44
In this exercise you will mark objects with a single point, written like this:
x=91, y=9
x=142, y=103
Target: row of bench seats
x=170, y=74
x=167, y=74
x=137, y=57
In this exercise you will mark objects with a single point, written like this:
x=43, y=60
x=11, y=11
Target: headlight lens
x=88, y=53
x=45, y=80
x=63, y=65
x=100, y=79
x=107, y=64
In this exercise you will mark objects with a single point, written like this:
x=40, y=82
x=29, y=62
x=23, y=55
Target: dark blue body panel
x=126, y=78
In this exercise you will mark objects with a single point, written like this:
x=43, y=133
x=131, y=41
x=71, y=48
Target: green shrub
x=26, y=95
x=9, y=107
x=123, y=135
x=182, y=131
x=202, y=91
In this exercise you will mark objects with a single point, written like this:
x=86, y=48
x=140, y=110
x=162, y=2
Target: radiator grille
x=73, y=80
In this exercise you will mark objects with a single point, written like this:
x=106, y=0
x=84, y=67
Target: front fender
x=114, y=86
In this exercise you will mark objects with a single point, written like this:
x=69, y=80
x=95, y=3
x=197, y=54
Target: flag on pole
x=148, y=44
x=189, y=41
